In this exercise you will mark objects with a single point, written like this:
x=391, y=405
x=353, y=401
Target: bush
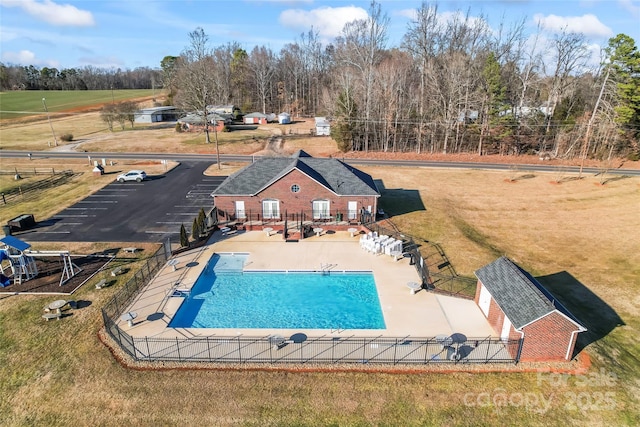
x=226, y=128
x=67, y=137
x=634, y=157
x=178, y=127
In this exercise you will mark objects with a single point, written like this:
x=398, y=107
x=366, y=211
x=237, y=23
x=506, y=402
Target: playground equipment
x=23, y=264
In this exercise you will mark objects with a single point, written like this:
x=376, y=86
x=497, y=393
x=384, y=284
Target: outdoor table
x=352, y=231
x=173, y=263
x=268, y=230
x=444, y=340
x=57, y=305
x=128, y=317
x=414, y=286
x=318, y=231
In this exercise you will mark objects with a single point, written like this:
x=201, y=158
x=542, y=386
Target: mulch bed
x=50, y=271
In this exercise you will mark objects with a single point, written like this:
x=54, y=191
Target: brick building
x=518, y=307
x=300, y=188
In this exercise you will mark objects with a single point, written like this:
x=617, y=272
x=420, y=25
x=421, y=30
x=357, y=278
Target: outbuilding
x=517, y=306
x=156, y=114
x=323, y=127
x=255, y=119
x=284, y=118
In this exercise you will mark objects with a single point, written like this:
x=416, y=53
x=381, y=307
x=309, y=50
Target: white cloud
x=630, y=6
x=327, y=21
x=407, y=13
x=26, y=57
x=588, y=25
x=53, y=13
x=102, y=61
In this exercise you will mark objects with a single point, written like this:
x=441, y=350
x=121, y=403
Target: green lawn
x=28, y=103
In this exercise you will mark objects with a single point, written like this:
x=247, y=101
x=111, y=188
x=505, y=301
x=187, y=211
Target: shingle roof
x=337, y=176
x=522, y=298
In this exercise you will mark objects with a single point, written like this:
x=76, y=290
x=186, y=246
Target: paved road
x=150, y=211
x=211, y=158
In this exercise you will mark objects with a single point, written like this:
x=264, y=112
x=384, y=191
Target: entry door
x=321, y=209
x=353, y=210
x=484, y=300
x=240, y=214
x=506, y=327
x=270, y=209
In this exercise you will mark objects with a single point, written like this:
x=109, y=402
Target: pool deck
x=422, y=314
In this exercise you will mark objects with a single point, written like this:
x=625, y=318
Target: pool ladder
x=326, y=268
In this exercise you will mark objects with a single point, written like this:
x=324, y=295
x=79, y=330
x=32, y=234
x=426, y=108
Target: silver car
x=135, y=175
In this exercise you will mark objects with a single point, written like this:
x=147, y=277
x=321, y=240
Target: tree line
x=17, y=77
x=450, y=86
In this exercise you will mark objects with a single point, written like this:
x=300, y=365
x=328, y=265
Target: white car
x=137, y=176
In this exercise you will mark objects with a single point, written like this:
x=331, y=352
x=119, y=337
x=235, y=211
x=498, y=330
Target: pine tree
x=202, y=218
x=195, y=230
x=624, y=60
x=184, y=238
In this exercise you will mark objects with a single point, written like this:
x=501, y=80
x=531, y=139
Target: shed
x=284, y=118
x=518, y=307
x=156, y=114
x=323, y=127
x=255, y=119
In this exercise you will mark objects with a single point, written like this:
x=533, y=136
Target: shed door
x=506, y=327
x=484, y=300
x=240, y=209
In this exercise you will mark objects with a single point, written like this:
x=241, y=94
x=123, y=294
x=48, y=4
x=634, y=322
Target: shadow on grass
x=595, y=314
x=615, y=178
x=398, y=201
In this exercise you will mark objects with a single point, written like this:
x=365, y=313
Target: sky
x=128, y=34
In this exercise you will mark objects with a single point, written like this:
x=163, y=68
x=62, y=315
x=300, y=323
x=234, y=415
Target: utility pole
x=55, y=141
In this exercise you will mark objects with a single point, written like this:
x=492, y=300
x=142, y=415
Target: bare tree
x=197, y=85
x=262, y=64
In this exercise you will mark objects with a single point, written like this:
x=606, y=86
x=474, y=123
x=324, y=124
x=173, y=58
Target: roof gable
x=522, y=298
x=338, y=177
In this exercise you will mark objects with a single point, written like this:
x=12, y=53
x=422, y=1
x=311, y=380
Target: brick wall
x=295, y=202
x=548, y=339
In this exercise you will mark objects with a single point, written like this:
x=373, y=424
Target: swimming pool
x=226, y=297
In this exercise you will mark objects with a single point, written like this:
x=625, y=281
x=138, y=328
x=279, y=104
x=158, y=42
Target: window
x=295, y=188
x=321, y=209
x=270, y=209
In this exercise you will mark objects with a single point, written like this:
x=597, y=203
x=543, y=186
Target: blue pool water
x=225, y=297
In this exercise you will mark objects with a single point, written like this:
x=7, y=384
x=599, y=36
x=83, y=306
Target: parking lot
x=150, y=211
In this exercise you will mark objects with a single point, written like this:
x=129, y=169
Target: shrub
x=184, y=238
x=226, y=128
x=178, y=127
x=67, y=137
x=634, y=157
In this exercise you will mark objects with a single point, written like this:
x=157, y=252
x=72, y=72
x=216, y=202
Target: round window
x=295, y=188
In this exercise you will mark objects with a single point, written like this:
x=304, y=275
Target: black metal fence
x=326, y=349
x=123, y=298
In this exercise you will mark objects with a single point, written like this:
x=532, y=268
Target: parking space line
x=162, y=232
x=102, y=201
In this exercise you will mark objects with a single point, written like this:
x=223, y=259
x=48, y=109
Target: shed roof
x=256, y=115
x=522, y=298
x=337, y=176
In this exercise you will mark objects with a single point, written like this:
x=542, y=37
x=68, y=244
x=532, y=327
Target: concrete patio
x=422, y=314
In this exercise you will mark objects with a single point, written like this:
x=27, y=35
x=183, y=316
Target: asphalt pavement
x=150, y=211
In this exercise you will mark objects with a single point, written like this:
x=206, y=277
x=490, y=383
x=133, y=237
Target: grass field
x=580, y=238
x=18, y=104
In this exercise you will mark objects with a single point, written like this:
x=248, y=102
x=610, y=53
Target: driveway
x=149, y=211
